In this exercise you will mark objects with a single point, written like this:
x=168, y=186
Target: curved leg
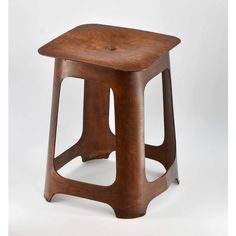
x=51, y=172
x=130, y=174
x=169, y=125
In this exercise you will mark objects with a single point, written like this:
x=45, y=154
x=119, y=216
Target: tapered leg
x=51, y=172
x=169, y=125
x=130, y=156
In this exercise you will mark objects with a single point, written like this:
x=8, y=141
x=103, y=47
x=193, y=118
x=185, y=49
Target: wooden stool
x=124, y=60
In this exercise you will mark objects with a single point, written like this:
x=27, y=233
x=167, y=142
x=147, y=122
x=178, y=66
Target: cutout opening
x=112, y=112
x=70, y=114
x=154, y=125
x=154, y=169
x=153, y=112
x=69, y=131
x=101, y=172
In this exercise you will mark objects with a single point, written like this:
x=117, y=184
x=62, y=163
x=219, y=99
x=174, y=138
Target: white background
x=199, y=73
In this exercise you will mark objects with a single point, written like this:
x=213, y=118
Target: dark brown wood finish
x=124, y=60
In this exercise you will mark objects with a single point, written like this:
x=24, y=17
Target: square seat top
x=112, y=47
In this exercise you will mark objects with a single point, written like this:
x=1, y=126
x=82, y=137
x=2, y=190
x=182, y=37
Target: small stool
x=123, y=60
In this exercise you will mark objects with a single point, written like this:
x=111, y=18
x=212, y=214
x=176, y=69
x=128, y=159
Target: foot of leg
x=177, y=181
x=127, y=215
x=48, y=196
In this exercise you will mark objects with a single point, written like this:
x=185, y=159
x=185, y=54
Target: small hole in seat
x=111, y=48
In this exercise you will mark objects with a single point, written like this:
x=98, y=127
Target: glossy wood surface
x=131, y=192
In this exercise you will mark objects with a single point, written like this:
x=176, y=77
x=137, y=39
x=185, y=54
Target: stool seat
x=112, y=47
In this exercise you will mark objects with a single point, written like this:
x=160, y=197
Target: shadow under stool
x=123, y=60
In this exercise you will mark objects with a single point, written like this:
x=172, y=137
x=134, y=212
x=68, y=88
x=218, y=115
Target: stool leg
x=97, y=140
x=169, y=126
x=130, y=153
x=51, y=172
